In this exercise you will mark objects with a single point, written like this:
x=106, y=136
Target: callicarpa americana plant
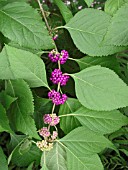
x=63, y=85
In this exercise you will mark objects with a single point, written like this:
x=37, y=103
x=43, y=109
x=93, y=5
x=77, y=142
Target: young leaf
x=55, y=159
x=117, y=33
x=24, y=26
x=25, y=146
x=82, y=141
x=101, y=122
x=66, y=13
x=68, y=123
x=16, y=63
x=112, y=6
x=88, y=28
x=88, y=2
x=22, y=109
x=6, y=100
x=3, y=161
x=99, y=88
x=4, y=122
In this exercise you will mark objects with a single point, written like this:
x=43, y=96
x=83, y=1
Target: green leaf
x=22, y=109
x=16, y=63
x=66, y=13
x=42, y=106
x=107, y=61
x=111, y=6
x=99, y=88
x=3, y=161
x=101, y=122
x=24, y=26
x=30, y=167
x=44, y=167
x=88, y=28
x=91, y=162
x=124, y=151
x=88, y=2
x=55, y=159
x=82, y=141
x=68, y=123
x=33, y=155
x=6, y=100
x=4, y=122
x=15, y=142
x=117, y=33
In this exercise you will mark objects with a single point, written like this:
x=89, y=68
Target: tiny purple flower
x=55, y=37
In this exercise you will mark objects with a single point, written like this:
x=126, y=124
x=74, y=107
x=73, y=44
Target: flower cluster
x=44, y=145
x=47, y=143
x=51, y=119
x=56, y=97
x=55, y=56
x=44, y=132
x=58, y=77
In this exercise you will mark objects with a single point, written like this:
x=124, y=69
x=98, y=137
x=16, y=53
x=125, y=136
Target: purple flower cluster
x=44, y=132
x=56, y=97
x=63, y=56
x=58, y=77
x=54, y=56
x=51, y=119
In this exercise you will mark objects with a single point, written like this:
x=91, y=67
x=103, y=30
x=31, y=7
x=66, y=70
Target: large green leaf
x=4, y=122
x=99, y=88
x=68, y=123
x=83, y=162
x=3, y=161
x=88, y=28
x=66, y=13
x=20, y=113
x=88, y=2
x=112, y=6
x=107, y=61
x=82, y=141
x=101, y=121
x=117, y=33
x=91, y=162
x=55, y=159
x=23, y=25
x=16, y=63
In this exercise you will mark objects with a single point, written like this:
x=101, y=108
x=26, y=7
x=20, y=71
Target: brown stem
x=43, y=14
